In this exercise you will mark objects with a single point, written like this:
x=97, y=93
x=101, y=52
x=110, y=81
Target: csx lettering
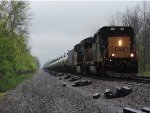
x=119, y=49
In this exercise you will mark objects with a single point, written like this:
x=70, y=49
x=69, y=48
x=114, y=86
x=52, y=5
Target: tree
x=144, y=13
x=14, y=49
x=115, y=20
x=15, y=14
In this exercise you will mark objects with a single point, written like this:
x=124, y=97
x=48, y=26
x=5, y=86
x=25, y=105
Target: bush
x=11, y=81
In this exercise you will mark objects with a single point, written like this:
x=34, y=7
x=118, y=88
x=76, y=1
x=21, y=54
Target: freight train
x=111, y=51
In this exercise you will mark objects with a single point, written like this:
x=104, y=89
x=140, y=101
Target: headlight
x=113, y=55
x=119, y=42
x=132, y=55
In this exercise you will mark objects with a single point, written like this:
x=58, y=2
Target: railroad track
x=136, y=84
x=138, y=80
x=142, y=79
x=133, y=80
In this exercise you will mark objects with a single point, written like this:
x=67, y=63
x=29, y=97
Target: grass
x=11, y=81
x=147, y=73
x=2, y=94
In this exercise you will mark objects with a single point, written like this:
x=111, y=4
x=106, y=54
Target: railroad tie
x=131, y=110
x=146, y=109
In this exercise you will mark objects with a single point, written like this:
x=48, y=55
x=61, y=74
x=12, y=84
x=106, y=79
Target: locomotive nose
x=123, y=64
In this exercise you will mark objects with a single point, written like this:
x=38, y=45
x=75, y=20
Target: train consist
x=111, y=51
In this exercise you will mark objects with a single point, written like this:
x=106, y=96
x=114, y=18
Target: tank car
x=58, y=64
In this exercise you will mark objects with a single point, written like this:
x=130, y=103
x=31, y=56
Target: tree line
x=137, y=17
x=15, y=56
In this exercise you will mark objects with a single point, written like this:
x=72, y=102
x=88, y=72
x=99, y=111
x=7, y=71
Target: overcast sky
x=57, y=26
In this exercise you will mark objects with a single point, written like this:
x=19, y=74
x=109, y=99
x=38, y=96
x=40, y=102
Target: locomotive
x=111, y=51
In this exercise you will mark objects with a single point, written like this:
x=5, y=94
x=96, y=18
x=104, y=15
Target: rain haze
x=57, y=26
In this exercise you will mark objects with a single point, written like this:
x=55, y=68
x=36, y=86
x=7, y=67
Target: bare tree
x=112, y=21
x=115, y=20
x=131, y=18
x=15, y=14
x=144, y=17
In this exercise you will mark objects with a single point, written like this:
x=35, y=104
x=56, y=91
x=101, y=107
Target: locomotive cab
x=84, y=55
x=117, y=50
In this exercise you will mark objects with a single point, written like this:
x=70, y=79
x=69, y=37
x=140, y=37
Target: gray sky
x=57, y=26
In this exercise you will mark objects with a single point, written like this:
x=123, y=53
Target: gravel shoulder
x=45, y=94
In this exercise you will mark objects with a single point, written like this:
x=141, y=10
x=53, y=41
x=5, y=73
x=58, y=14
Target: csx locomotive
x=111, y=51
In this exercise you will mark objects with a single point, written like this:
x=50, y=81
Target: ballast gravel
x=46, y=94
